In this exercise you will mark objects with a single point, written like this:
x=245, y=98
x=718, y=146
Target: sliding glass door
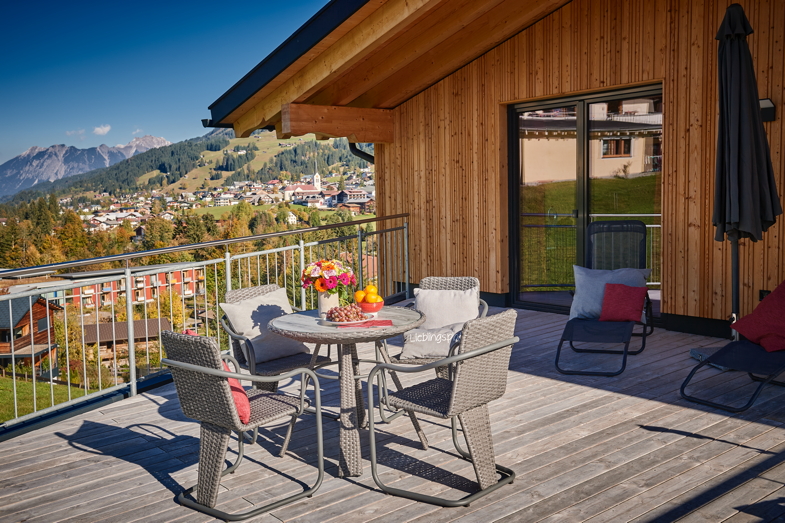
x=574, y=161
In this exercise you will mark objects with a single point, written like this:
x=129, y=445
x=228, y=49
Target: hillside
x=191, y=165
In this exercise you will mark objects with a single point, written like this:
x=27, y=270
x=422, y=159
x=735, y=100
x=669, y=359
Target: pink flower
x=331, y=282
x=354, y=280
x=330, y=274
x=344, y=278
x=315, y=272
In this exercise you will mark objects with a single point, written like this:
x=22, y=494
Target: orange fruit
x=371, y=289
x=359, y=296
x=374, y=298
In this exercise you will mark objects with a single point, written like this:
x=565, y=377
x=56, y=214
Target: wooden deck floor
x=584, y=449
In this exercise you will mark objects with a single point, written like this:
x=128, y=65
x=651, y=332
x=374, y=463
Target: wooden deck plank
x=584, y=448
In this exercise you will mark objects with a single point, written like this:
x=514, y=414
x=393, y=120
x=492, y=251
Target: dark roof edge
x=318, y=27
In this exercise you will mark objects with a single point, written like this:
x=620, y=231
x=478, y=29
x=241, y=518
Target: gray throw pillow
x=590, y=288
x=430, y=343
x=443, y=307
x=250, y=317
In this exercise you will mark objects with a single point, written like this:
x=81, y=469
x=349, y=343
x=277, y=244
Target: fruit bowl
x=371, y=307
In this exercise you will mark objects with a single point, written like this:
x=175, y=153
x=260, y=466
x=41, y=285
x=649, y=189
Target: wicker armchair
x=243, y=351
x=456, y=283
x=479, y=376
x=205, y=396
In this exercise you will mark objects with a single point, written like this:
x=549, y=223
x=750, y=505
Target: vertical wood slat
x=448, y=166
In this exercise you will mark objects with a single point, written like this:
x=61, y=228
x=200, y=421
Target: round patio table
x=307, y=327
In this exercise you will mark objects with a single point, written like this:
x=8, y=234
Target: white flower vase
x=327, y=301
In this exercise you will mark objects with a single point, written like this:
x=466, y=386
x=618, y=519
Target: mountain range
x=39, y=164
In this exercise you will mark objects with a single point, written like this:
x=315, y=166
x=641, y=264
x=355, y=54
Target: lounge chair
x=610, y=245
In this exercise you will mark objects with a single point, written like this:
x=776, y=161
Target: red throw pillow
x=622, y=302
x=240, y=398
x=766, y=325
x=189, y=332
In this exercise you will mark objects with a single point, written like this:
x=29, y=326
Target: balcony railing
x=84, y=352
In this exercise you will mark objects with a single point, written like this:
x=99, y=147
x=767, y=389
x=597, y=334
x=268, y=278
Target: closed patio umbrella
x=746, y=203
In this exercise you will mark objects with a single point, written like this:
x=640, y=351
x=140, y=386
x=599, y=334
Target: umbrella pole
x=734, y=256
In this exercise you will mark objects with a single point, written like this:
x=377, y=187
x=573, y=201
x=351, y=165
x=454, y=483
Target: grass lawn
x=268, y=147
x=548, y=253
x=24, y=393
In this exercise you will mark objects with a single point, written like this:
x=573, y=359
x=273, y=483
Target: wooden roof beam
x=381, y=26
x=357, y=124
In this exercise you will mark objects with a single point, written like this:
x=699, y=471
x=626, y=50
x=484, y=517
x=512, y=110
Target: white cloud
x=102, y=130
x=137, y=131
x=77, y=132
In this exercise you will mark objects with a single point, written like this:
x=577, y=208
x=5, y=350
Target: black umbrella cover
x=746, y=203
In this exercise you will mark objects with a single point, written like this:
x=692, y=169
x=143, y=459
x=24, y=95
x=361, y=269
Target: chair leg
x=593, y=373
x=288, y=436
x=477, y=437
x=213, y=442
x=397, y=381
x=211, y=436
x=721, y=406
x=476, y=424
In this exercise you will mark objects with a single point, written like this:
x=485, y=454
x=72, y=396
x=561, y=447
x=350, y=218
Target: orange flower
x=320, y=285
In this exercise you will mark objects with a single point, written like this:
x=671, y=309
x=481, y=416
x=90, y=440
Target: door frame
x=582, y=196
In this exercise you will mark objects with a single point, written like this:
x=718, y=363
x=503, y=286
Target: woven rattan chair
x=243, y=351
x=479, y=376
x=455, y=283
x=610, y=245
x=203, y=388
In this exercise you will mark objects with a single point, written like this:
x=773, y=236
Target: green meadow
x=548, y=242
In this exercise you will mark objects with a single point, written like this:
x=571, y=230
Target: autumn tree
x=73, y=237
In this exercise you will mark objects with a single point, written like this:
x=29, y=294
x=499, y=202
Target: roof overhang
x=367, y=54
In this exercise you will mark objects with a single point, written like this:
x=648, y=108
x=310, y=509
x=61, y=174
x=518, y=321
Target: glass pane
x=625, y=166
x=548, y=172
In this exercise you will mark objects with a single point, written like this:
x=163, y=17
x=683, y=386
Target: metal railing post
x=302, y=268
x=129, y=311
x=360, y=257
x=228, y=265
x=406, y=256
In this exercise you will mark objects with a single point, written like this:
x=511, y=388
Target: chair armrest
x=483, y=308
x=230, y=331
x=250, y=357
x=443, y=362
x=259, y=379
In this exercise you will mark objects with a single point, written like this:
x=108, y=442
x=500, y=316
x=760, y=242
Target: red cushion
x=622, y=302
x=240, y=398
x=766, y=325
x=189, y=332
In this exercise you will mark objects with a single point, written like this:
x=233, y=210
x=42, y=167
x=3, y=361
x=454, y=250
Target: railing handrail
x=179, y=248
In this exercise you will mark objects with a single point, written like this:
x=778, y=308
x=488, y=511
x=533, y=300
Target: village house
x=27, y=334
x=149, y=288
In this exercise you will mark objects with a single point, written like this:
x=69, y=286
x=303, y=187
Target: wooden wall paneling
x=453, y=139
x=776, y=251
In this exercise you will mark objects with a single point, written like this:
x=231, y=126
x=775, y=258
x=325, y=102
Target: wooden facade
x=451, y=140
x=32, y=337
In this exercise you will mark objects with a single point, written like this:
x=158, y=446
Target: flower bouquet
x=332, y=280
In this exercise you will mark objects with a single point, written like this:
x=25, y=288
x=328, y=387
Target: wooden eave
x=384, y=53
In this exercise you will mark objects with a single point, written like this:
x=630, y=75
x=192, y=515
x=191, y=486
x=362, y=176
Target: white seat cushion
x=447, y=307
x=250, y=317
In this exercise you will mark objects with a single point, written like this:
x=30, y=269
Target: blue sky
x=87, y=73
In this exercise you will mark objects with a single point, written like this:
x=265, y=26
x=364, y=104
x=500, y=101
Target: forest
x=41, y=233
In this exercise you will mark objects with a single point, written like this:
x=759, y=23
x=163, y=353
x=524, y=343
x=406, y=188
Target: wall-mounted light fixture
x=767, y=112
